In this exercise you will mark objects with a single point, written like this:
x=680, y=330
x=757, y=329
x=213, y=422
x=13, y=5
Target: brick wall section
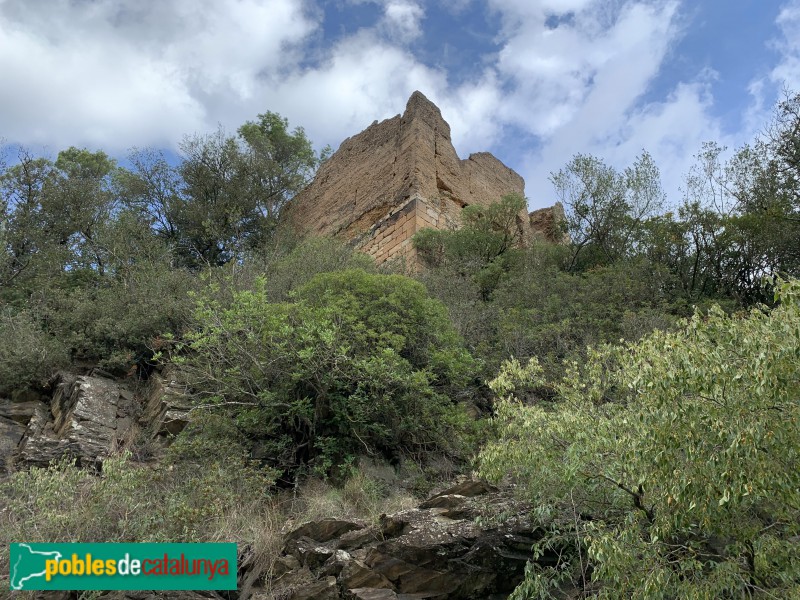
x=390, y=238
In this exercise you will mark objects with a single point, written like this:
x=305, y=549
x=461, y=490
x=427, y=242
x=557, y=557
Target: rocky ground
x=469, y=541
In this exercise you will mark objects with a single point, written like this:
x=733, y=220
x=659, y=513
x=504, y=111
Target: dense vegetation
x=644, y=374
x=668, y=467
x=353, y=363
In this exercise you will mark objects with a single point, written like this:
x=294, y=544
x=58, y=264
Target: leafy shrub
x=354, y=363
x=28, y=355
x=310, y=258
x=672, y=462
x=483, y=249
x=114, y=321
x=555, y=315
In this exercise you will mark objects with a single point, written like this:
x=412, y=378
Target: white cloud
x=671, y=130
x=768, y=87
x=557, y=73
x=472, y=112
x=574, y=75
x=787, y=72
x=363, y=79
x=402, y=20
x=115, y=73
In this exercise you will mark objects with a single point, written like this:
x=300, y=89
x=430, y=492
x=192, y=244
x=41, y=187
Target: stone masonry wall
x=395, y=178
x=390, y=238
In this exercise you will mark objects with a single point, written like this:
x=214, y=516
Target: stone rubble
x=418, y=553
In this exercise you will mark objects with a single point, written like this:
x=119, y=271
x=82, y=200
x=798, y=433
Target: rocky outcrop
x=167, y=405
x=87, y=417
x=453, y=546
x=15, y=413
x=397, y=177
x=11, y=433
x=549, y=224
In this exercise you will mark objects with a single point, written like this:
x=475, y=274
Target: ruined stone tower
x=397, y=177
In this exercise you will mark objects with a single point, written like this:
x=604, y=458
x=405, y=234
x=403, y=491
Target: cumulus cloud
x=115, y=73
x=672, y=130
x=561, y=77
x=580, y=65
x=787, y=72
x=472, y=110
x=768, y=87
x=364, y=78
x=402, y=19
x=574, y=76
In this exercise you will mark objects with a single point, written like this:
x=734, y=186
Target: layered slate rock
x=86, y=419
x=167, y=405
x=458, y=551
x=11, y=433
x=397, y=177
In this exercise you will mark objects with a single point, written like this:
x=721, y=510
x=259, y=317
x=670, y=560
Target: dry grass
x=361, y=497
x=40, y=505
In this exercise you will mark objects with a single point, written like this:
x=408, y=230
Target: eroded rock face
x=549, y=224
x=457, y=551
x=397, y=177
x=86, y=418
x=15, y=413
x=11, y=434
x=167, y=405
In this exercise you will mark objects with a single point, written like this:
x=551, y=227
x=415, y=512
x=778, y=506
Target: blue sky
x=533, y=81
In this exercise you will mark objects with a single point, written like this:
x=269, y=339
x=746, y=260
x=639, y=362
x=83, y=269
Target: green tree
x=554, y=315
x=694, y=246
x=78, y=202
x=294, y=267
x=670, y=467
x=755, y=194
x=278, y=163
x=483, y=248
x=55, y=213
x=234, y=187
x=30, y=355
x=28, y=244
x=84, y=274
x=152, y=190
x=214, y=212
x=605, y=207
x=354, y=363
x=783, y=141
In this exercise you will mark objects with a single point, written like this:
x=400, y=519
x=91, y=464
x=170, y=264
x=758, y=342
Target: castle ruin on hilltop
x=402, y=175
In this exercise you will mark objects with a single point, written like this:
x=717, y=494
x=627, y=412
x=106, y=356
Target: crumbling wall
x=395, y=178
x=549, y=224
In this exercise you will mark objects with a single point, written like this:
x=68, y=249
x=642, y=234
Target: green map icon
x=28, y=564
